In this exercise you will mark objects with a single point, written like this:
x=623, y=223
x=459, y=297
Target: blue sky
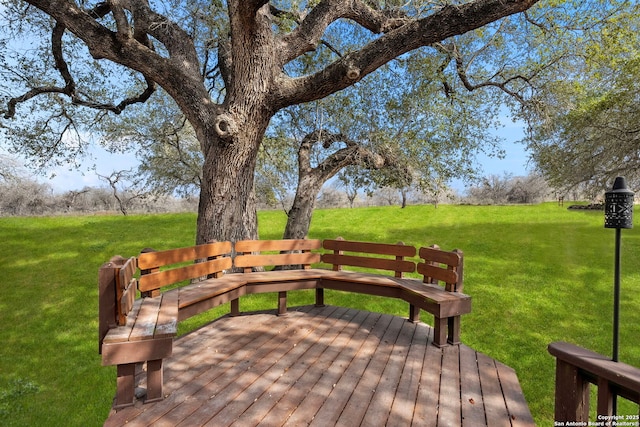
x=66, y=179
x=515, y=163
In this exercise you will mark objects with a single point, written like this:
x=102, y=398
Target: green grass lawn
x=537, y=274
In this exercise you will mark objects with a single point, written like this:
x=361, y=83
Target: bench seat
x=204, y=295
x=147, y=336
x=434, y=299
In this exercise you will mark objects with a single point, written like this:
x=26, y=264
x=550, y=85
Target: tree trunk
x=227, y=208
x=299, y=216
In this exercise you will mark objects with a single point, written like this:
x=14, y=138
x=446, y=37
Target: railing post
x=606, y=398
x=572, y=394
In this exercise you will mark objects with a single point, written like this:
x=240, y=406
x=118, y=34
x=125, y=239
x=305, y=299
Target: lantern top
x=620, y=186
x=618, y=205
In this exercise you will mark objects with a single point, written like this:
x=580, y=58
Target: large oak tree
x=253, y=61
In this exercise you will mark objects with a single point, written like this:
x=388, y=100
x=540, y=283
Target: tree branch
x=308, y=35
x=352, y=154
x=70, y=86
x=449, y=21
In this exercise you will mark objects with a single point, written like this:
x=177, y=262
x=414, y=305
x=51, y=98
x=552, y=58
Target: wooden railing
x=578, y=368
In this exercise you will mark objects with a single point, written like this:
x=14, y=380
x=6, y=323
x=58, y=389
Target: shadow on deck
x=328, y=366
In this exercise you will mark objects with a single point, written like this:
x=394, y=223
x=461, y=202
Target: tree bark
x=311, y=179
x=299, y=216
x=227, y=207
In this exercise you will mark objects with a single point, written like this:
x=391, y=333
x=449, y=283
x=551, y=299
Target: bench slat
x=438, y=273
x=276, y=259
x=277, y=245
x=124, y=277
x=128, y=297
x=145, y=325
x=151, y=260
x=167, y=325
x=159, y=279
x=200, y=291
x=122, y=333
x=372, y=279
x=369, y=248
x=126, y=273
x=451, y=258
x=370, y=262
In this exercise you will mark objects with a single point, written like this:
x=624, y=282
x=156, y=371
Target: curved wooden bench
x=181, y=283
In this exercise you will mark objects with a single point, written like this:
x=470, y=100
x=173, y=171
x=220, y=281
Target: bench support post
x=440, y=331
x=125, y=385
x=282, y=303
x=235, y=307
x=319, y=297
x=414, y=314
x=454, y=330
x=154, y=380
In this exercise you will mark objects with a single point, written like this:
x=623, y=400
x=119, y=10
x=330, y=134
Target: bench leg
x=414, y=314
x=282, y=303
x=319, y=297
x=454, y=330
x=125, y=385
x=154, y=380
x=440, y=335
x=235, y=307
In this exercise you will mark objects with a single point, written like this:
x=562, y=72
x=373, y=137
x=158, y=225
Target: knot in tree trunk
x=353, y=72
x=226, y=126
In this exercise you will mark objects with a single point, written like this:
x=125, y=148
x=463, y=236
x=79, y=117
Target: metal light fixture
x=618, y=214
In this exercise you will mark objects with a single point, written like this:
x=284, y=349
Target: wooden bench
x=180, y=283
x=445, y=303
x=133, y=331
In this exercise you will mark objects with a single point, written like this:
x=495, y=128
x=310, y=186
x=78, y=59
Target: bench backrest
x=276, y=253
x=379, y=256
x=117, y=292
x=163, y=268
x=442, y=266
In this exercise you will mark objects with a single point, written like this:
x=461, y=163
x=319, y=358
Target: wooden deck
x=324, y=367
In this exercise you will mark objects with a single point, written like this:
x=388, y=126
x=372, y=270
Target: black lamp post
x=618, y=214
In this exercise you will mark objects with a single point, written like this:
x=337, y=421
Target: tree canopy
x=590, y=131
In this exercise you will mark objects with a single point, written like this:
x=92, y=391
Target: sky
x=64, y=179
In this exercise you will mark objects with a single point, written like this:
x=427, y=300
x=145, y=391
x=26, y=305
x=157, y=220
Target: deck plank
x=494, y=405
x=449, y=412
x=426, y=413
x=282, y=391
x=405, y=398
x=317, y=397
x=382, y=401
x=328, y=366
x=473, y=413
x=353, y=393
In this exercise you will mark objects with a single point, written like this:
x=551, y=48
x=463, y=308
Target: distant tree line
x=23, y=195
